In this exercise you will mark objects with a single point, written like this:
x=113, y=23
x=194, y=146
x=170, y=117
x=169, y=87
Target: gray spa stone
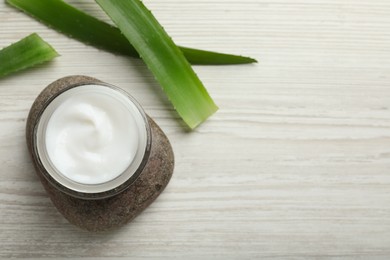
x=112, y=212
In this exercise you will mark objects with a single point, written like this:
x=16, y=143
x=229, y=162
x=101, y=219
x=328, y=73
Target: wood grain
x=294, y=165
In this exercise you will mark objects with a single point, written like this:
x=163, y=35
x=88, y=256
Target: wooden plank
x=294, y=165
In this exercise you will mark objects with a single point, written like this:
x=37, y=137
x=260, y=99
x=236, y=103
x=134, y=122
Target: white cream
x=94, y=134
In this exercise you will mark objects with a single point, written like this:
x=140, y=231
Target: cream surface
x=93, y=135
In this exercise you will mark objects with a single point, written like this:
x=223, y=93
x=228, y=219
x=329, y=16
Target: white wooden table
x=296, y=163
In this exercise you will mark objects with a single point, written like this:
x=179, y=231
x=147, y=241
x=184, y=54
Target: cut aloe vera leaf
x=29, y=51
x=85, y=28
x=163, y=58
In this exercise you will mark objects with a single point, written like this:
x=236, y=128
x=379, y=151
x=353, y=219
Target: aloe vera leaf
x=85, y=28
x=202, y=57
x=163, y=58
x=27, y=52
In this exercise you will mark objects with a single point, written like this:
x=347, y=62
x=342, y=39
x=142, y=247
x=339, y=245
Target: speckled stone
x=113, y=212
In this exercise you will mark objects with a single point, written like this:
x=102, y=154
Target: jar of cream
x=101, y=159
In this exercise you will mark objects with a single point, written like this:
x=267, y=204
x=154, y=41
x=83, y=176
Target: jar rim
x=89, y=191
